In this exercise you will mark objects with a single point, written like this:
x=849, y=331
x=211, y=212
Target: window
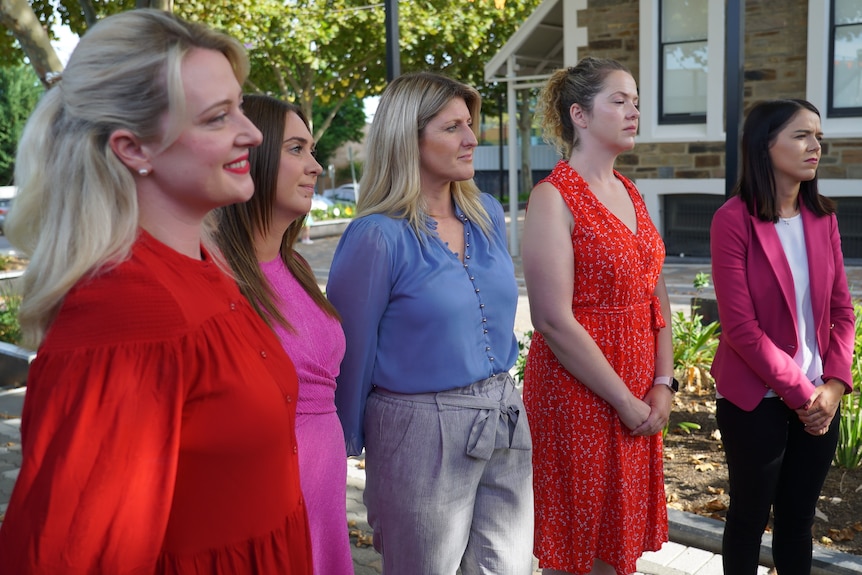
x=845, y=57
x=682, y=98
x=684, y=58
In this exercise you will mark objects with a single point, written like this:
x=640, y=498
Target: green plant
x=521, y=362
x=701, y=280
x=10, y=329
x=694, y=346
x=336, y=212
x=849, y=452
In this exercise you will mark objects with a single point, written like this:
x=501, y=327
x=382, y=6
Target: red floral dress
x=599, y=491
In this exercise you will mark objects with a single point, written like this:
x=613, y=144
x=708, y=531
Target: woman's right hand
x=633, y=412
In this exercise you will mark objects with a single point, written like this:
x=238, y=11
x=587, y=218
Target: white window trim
x=817, y=74
x=652, y=191
x=650, y=62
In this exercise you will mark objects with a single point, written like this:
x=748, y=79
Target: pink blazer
x=757, y=307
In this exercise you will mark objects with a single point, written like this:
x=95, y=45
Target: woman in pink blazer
x=783, y=361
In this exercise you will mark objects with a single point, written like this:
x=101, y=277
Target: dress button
x=288, y=398
x=263, y=354
x=295, y=450
x=233, y=306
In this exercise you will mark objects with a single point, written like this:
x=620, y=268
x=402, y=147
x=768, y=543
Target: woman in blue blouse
x=426, y=290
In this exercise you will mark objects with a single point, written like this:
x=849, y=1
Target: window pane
x=848, y=11
x=847, y=80
x=683, y=20
x=685, y=70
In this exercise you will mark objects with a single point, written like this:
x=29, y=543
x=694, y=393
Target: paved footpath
x=695, y=541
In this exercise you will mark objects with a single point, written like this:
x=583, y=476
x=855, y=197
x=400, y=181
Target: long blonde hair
x=391, y=179
x=76, y=210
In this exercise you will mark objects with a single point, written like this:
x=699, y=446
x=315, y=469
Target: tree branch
x=19, y=18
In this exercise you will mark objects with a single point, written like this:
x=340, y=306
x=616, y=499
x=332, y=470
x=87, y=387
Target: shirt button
x=484, y=320
x=484, y=331
x=467, y=257
x=487, y=348
x=472, y=278
x=481, y=306
x=490, y=359
x=477, y=290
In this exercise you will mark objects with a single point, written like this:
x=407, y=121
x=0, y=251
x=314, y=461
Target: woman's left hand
x=817, y=415
x=659, y=399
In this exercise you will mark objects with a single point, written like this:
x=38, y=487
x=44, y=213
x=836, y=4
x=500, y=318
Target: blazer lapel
x=816, y=241
x=768, y=238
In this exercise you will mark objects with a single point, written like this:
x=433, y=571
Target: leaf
x=703, y=467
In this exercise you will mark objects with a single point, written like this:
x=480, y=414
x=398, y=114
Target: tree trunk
x=166, y=5
x=525, y=122
x=19, y=18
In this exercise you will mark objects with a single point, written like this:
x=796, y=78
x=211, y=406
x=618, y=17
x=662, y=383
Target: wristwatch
x=667, y=380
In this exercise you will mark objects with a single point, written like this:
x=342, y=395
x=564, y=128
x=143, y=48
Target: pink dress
x=316, y=347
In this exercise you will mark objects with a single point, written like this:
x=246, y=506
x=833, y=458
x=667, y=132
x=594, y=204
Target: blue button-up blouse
x=417, y=319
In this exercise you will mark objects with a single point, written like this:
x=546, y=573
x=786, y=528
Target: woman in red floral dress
x=599, y=381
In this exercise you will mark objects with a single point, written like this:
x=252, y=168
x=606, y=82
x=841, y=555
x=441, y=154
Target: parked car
x=7, y=193
x=344, y=194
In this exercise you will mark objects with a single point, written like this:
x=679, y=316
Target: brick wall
x=775, y=67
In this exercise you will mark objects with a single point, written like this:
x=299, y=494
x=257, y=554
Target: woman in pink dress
x=257, y=239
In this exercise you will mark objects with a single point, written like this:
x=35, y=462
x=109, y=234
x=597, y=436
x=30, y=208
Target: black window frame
x=831, y=110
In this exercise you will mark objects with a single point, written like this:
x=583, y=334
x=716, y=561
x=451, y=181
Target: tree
x=19, y=93
x=323, y=52
x=23, y=26
x=346, y=127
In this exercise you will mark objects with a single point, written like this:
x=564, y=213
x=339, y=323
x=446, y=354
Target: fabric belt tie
x=496, y=423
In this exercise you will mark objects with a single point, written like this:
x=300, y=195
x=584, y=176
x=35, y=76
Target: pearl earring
x=144, y=171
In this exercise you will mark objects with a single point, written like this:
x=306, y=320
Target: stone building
x=808, y=49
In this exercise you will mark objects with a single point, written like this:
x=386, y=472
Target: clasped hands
x=817, y=413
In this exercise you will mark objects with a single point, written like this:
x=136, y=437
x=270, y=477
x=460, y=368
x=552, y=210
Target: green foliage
x=10, y=330
x=20, y=90
x=346, y=127
x=694, y=345
x=701, y=280
x=521, y=362
x=336, y=212
x=849, y=452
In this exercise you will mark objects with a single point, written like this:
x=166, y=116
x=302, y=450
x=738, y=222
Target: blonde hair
x=578, y=84
x=76, y=211
x=391, y=179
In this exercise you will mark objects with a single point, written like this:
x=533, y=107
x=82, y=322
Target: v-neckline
x=608, y=212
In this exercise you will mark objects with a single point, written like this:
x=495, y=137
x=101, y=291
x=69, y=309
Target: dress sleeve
x=100, y=439
x=359, y=286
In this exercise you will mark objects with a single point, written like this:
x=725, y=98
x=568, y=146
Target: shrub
x=694, y=346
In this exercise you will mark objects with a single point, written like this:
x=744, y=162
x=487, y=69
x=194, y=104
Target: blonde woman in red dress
x=599, y=381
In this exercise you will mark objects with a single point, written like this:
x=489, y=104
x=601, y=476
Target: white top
x=792, y=235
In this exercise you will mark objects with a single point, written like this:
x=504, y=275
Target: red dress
x=599, y=491
x=158, y=432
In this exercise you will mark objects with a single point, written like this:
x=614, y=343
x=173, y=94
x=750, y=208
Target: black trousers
x=772, y=463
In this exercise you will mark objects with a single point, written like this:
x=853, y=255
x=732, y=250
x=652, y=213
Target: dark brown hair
x=239, y=224
x=756, y=185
